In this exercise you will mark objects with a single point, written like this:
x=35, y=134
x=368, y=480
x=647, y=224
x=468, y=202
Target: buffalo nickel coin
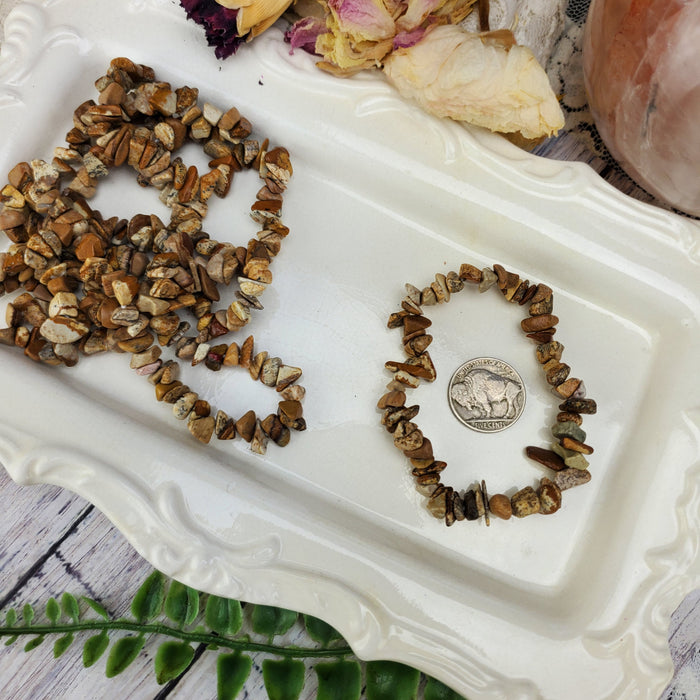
x=486, y=394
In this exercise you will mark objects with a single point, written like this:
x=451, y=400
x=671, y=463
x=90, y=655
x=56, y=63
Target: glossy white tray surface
x=575, y=605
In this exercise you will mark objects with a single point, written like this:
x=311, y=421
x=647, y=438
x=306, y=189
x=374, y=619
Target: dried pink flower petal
x=366, y=20
x=304, y=33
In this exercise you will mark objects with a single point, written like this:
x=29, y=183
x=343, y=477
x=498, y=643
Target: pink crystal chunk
x=642, y=74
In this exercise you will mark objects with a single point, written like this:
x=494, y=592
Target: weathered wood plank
x=33, y=518
x=684, y=642
x=90, y=561
x=93, y=560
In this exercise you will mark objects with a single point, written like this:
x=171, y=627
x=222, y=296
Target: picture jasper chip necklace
x=567, y=456
x=93, y=284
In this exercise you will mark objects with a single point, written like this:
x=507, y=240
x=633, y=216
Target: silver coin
x=486, y=394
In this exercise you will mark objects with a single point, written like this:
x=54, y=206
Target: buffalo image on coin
x=486, y=394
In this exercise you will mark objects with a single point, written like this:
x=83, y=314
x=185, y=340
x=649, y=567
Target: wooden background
x=53, y=541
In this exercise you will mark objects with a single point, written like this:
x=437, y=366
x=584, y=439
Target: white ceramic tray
x=572, y=606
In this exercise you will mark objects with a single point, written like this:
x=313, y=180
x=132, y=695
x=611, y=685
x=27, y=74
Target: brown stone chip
x=546, y=458
x=457, y=506
x=407, y=436
x=501, y=275
x=413, y=369
x=542, y=292
x=471, y=506
x=63, y=330
x=183, y=406
x=232, y=356
x=176, y=393
x=137, y=344
x=246, y=352
x=587, y=406
x=393, y=398
x=145, y=358
x=507, y=282
x=270, y=370
x=245, y=425
x=157, y=376
x=289, y=411
x=428, y=297
x=396, y=319
x=549, y=351
x=519, y=292
x=450, y=498
x=272, y=426
x=564, y=417
x=413, y=323
x=7, y=336
x=525, y=502
x=202, y=428
x=454, y=283
x=570, y=477
x=544, y=306
x=500, y=506
x=576, y=446
x=256, y=365
x=225, y=430
x=550, y=497
x=528, y=294
x=534, y=324
x=201, y=408
x=469, y=273
x=568, y=388
x=556, y=372
x=296, y=392
x=407, y=304
x=418, y=345
x=425, y=451
x=542, y=336
x=163, y=389
x=432, y=467
x=392, y=415
x=485, y=502
x=287, y=375
x=258, y=442
x=437, y=503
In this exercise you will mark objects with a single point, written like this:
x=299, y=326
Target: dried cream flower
x=484, y=79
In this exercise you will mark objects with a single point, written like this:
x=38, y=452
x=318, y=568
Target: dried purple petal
x=303, y=34
x=219, y=25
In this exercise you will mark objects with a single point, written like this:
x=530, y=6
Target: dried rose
x=364, y=20
x=358, y=34
x=484, y=79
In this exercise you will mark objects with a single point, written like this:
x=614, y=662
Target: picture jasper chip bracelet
x=567, y=457
x=93, y=284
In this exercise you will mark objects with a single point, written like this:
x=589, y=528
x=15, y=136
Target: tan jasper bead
x=539, y=323
x=525, y=502
x=500, y=506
